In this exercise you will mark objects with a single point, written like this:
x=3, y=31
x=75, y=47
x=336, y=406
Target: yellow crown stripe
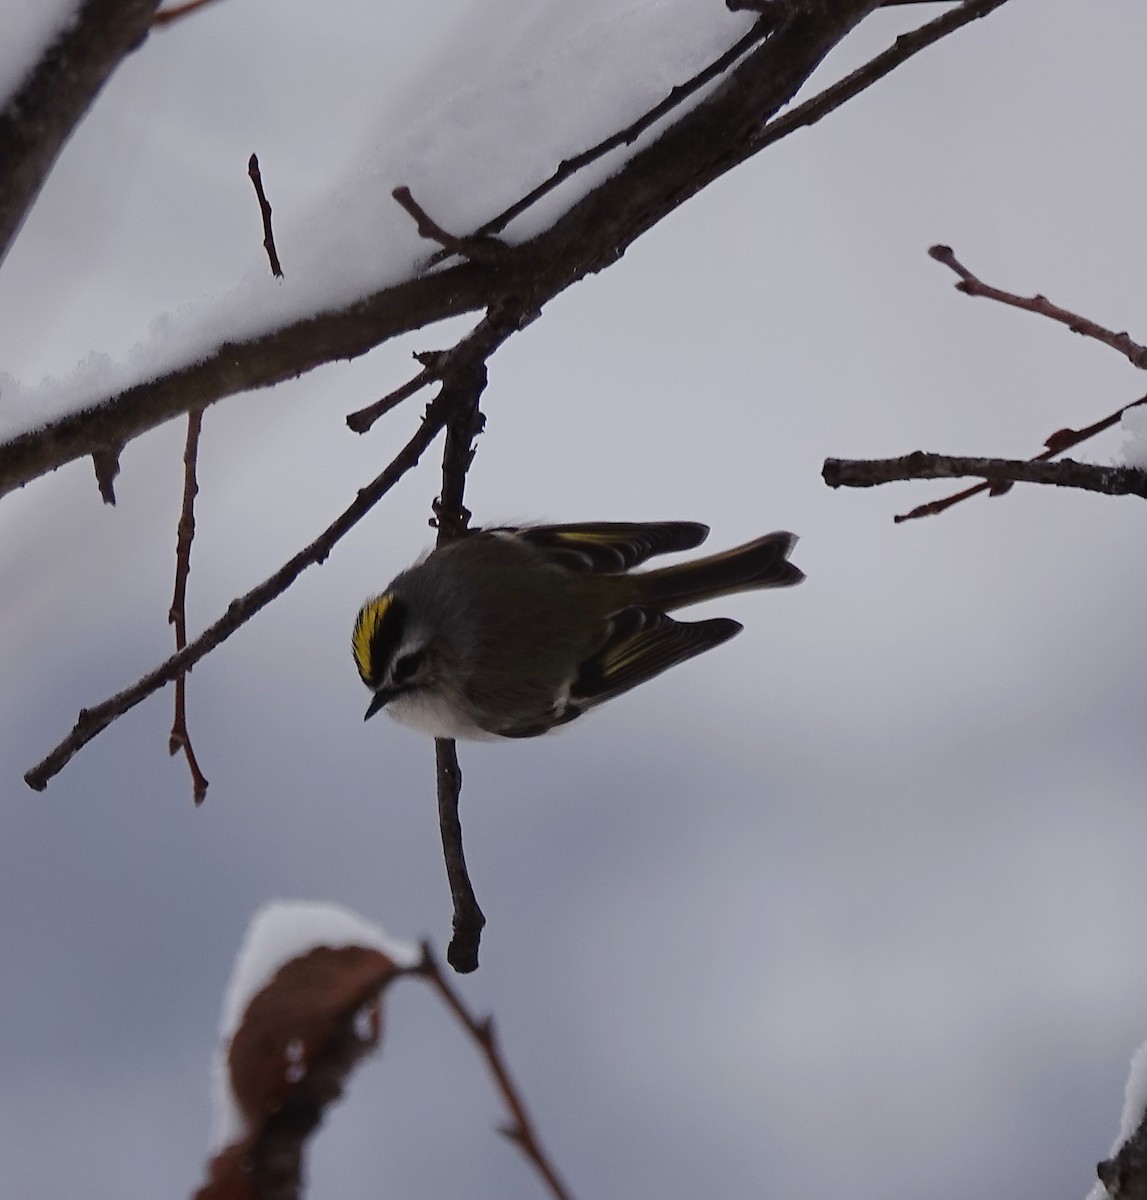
x=370, y=617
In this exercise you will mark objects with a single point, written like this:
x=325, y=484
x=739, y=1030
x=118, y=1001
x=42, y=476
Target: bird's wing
x=642, y=643
x=608, y=547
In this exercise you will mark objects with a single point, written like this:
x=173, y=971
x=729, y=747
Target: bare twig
x=265, y=210
x=520, y=1130
x=180, y=738
x=364, y=418
x=167, y=15
x=453, y=517
x=971, y=286
x=469, y=919
x=476, y=346
x=1092, y=477
x=106, y=462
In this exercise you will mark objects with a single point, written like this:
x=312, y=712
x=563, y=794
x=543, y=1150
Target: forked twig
x=477, y=246
x=92, y=721
x=180, y=738
x=486, y=336
x=520, y=1130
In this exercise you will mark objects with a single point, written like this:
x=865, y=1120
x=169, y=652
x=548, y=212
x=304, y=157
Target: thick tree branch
x=1091, y=477
x=709, y=140
x=39, y=117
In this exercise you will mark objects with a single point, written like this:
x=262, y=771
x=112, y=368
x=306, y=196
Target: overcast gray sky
x=851, y=906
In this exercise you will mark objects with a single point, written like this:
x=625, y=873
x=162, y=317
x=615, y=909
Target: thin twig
x=478, y=247
x=361, y=420
x=180, y=738
x=452, y=518
x=167, y=15
x=469, y=919
x=265, y=210
x=1135, y=353
x=521, y=1129
x=1091, y=477
x=106, y=463
x=906, y=45
x=627, y=136
x=1062, y=439
x=92, y=721
x=1056, y=443
x=482, y=340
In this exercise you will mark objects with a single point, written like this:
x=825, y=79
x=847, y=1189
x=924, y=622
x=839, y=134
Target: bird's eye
x=406, y=666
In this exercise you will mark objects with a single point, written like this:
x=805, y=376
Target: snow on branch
x=695, y=147
x=38, y=118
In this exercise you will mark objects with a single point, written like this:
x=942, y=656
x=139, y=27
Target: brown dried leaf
x=292, y=1031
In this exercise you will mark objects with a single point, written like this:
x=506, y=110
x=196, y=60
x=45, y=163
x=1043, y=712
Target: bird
x=512, y=631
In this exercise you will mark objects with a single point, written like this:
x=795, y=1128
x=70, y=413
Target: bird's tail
x=763, y=563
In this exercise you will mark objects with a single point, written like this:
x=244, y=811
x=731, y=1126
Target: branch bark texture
x=40, y=115
x=1090, y=477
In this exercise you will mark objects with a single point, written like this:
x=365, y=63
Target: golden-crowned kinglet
x=510, y=631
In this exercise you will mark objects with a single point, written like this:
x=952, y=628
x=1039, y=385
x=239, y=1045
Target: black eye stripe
x=388, y=636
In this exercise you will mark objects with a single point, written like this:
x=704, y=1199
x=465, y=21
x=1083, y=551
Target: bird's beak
x=379, y=701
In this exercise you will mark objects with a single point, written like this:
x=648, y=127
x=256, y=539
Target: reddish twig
x=520, y=1130
x=1057, y=443
x=971, y=286
x=1061, y=439
x=180, y=738
x=265, y=209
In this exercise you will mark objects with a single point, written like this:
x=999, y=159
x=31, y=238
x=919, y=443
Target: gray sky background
x=852, y=906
